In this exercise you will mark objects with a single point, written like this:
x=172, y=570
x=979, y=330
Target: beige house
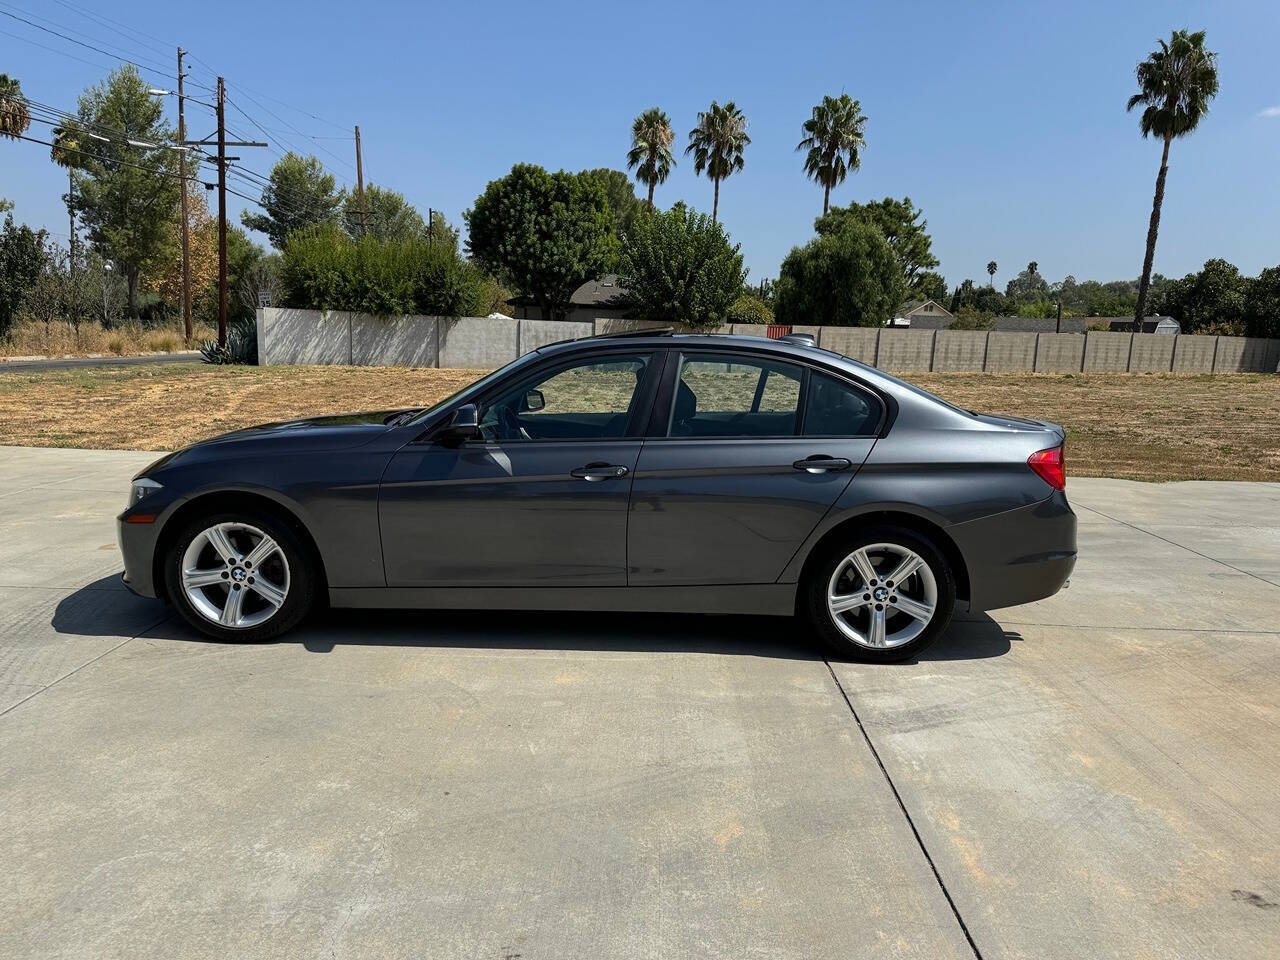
x=930, y=310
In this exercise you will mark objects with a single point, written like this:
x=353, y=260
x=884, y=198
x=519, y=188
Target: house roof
x=593, y=293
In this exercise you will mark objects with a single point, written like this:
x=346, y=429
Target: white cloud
x=1270, y=112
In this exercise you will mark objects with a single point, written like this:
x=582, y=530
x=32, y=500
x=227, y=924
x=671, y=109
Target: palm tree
x=650, y=153
x=991, y=272
x=833, y=137
x=15, y=119
x=717, y=143
x=1175, y=85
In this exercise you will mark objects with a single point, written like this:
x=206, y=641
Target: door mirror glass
x=462, y=425
x=534, y=400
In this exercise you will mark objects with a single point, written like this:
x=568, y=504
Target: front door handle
x=595, y=472
x=820, y=464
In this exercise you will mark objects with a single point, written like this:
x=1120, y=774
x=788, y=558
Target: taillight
x=1051, y=466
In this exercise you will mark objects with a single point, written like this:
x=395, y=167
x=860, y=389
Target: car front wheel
x=240, y=576
x=882, y=595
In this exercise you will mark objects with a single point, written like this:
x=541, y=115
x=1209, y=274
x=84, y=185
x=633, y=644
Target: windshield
x=473, y=387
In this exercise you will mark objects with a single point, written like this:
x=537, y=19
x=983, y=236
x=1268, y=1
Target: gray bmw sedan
x=650, y=472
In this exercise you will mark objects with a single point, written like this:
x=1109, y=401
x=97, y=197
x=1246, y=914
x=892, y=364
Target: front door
x=540, y=501
x=755, y=452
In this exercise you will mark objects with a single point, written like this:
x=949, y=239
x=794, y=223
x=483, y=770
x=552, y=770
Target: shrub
x=749, y=308
x=846, y=278
x=973, y=320
x=679, y=267
x=324, y=269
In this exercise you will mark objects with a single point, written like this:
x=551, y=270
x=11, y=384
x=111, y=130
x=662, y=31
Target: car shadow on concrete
x=971, y=636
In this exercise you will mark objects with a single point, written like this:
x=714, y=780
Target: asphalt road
x=1092, y=776
x=70, y=363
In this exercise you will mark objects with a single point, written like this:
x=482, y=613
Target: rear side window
x=834, y=408
x=733, y=396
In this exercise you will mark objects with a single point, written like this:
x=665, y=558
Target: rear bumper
x=1020, y=555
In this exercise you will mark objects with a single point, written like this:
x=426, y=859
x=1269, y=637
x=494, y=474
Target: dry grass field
x=1146, y=427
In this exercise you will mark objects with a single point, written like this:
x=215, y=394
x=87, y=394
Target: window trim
x=664, y=399
x=641, y=401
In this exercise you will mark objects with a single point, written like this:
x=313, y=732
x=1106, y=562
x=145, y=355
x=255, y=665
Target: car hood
x=339, y=432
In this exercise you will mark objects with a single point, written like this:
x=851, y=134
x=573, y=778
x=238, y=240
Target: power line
x=100, y=159
x=165, y=45
x=88, y=46
x=63, y=26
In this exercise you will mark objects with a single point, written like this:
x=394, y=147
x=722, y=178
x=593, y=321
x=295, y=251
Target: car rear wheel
x=882, y=595
x=240, y=576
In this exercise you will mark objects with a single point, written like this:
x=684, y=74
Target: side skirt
x=773, y=599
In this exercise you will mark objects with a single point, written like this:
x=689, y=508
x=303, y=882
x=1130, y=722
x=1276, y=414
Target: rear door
x=541, y=500
x=745, y=455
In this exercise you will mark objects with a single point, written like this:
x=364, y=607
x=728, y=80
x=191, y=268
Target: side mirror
x=534, y=400
x=463, y=425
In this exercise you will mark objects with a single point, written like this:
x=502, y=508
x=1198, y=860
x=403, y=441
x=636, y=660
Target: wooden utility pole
x=360, y=181
x=222, y=214
x=71, y=214
x=222, y=161
x=182, y=172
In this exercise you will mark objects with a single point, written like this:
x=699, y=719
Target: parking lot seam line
x=955, y=911
x=14, y=706
x=1134, y=526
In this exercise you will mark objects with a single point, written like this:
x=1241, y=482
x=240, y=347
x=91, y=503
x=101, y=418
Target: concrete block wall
x=1106, y=352
x=1194, y=354
x=1059, y=352
x=1010, y=352
x=287, y=336
x=960, y=350
x=905, y=351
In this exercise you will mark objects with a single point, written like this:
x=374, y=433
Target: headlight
x=142, y=487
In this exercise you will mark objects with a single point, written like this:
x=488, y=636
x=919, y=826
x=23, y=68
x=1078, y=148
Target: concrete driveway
x=1091, y=776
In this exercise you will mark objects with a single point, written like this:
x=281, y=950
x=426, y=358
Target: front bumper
x=137, y=547
x=1020, y=555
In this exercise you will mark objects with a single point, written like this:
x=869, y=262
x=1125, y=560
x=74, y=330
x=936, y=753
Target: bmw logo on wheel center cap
x=238, y=574
x=881, y=594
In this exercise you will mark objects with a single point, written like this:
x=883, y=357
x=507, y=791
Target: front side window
x=590, y=400
x=731, y=396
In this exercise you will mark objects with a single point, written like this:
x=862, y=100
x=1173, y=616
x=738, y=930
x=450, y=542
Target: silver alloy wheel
x=235, y=575
x=882, y=596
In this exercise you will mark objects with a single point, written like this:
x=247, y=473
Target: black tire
x=302, y=578
x=813, y=594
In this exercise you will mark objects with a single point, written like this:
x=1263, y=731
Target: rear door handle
x=595, y=472
x=820, y=464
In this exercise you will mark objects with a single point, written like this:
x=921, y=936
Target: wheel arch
x=216, y=500
x=897, y=518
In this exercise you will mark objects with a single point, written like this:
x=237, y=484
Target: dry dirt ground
x=1143, y=427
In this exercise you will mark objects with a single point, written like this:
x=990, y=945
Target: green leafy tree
x=22, y=258
x=650, y=153
x=299, y=194
x=126, y=195
x=544, y=233
x=847, y=277
x=991, y=273
x=834, y=138
x=902, y=225
x=679, y=267
x=1175, y=85
x=717, y=144
x=1028, y=286
x=929, y=285
x=973, y=299
x=440, y=233
x=1262, y=304
x=1214, y=297
x=621, y=194
x=387, y=215
x=749, y=308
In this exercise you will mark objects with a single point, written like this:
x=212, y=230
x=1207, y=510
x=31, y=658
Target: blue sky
x=1005, y=123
